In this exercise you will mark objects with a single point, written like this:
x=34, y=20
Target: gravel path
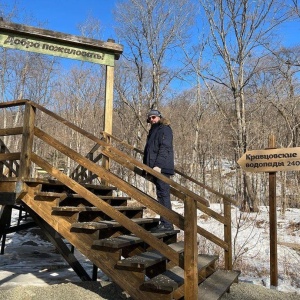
x=109, y=291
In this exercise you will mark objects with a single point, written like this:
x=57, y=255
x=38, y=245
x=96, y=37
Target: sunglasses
x=152, y=117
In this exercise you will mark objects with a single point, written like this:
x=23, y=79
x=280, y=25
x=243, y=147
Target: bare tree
x=151, y=31
x=238, y=29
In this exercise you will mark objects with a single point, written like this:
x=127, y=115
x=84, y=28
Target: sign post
x=273, y=221
x=271, y=160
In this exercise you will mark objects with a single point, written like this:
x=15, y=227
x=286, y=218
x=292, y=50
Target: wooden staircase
x=113, y=232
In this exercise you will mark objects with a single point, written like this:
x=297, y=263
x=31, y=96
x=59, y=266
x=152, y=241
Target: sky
x=65, y=16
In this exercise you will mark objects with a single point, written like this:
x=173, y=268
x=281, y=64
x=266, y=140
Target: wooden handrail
x=109, y=150
x=188, y=197
x=107, y=208
x=13, y=103
x=128, y=146
x=10, y=156
x=11, y=131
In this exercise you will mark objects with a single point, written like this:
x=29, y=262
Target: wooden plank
x=128, y=240
x=206, y=260
x=131, y=191
x=76, y=201
x=117, y=49
x=55, y=183
x=49, y=196
x=190, y=250
x=294, y=246
x=132, y=164
x=77, y=196
x=224, y=197
x=128, y=146
x=11, y=131
x=217, y=284
x=140, y=262
x=166, y=282
x=147, y=259
x=83, y=242
x=109, y=224
x=210, y=236
x=227, y=236
x=10, y=156
x=173, y=278
x=7, y=185
x=108, y=112
x=117, y=153
x=75, y=209
x=27, y=141
x=96, y=209
x=13, y=103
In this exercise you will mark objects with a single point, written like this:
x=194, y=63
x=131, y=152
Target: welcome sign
x=32, y=39
x=55, y=49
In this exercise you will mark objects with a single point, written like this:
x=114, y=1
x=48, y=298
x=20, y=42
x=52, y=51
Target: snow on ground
x=251, y=245
x=29, y=258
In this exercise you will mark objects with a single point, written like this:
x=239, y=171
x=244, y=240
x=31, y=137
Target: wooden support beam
x=190, y=250
x=11, y=131
x=5, y=219
x=109, y=210
x=27, y=141
x=57, y=241
x=108, y=112
x=227, y=235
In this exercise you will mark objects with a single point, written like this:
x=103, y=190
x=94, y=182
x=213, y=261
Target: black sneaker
x=162, y=228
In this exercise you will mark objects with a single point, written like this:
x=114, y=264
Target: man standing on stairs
x=159, y=155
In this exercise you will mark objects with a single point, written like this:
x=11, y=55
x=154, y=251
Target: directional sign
x=271, y=160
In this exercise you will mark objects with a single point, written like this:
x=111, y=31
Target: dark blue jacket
x=158, y=150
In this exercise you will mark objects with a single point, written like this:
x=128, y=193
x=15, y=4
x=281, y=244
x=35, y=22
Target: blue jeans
x=163, y=197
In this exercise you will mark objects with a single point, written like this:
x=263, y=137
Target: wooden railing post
x=227, y=235
x=2, y=150
x=90, y=156
x=108, y=112
x=27, y=141
x=190, y=250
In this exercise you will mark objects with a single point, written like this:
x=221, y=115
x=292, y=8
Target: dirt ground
x=109, y=291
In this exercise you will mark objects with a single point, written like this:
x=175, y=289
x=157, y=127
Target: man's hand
x=157, y=169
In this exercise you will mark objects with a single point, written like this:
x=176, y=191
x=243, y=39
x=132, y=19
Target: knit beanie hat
x=154, y=112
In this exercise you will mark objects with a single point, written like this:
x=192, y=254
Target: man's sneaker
x=162, y=228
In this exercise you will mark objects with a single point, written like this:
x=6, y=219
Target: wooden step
x=110, y=224
x=217, y=284
x=75, y=200
x=68, y=199
x=128, y=240
x=103, y=197
x=173, y=278
x=93, y=208
x=147, y=259
x=57, y=186
x=49, y=196
x=92, y=213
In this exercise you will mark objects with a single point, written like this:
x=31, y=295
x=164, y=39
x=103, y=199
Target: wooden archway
x=32, y=39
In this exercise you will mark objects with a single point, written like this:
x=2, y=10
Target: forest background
x=219, y=70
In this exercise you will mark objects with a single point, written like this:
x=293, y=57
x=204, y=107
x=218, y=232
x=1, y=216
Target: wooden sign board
x=55, y=49
x=32, y=39
x=271, y=160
